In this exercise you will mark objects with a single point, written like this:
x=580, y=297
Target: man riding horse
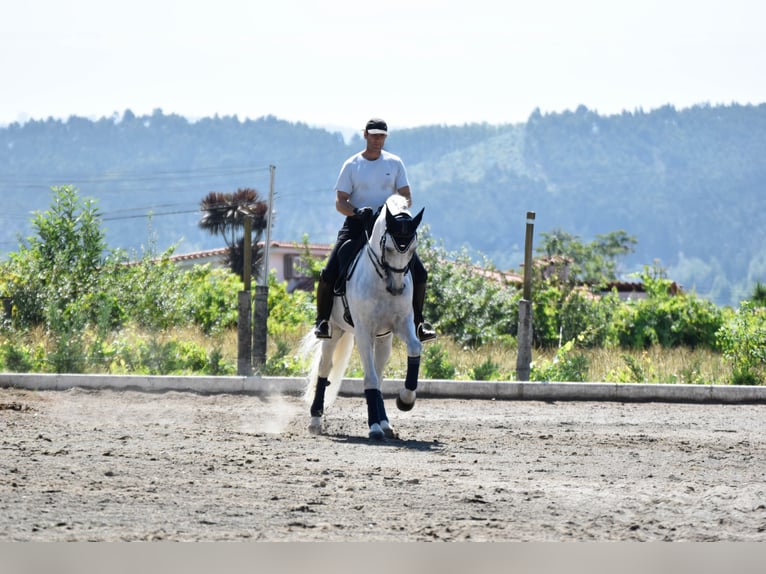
x=367, y=179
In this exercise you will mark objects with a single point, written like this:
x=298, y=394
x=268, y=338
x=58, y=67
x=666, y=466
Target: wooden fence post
x=524, y=357
x=244, y=324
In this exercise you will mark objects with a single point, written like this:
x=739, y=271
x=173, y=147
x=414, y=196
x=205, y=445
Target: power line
x=142, y=212
x=149, y=207
x=47, y=180
x=149, y=214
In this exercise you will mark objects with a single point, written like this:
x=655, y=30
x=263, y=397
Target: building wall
x=282, y=259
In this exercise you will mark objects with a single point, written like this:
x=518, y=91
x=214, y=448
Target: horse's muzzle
x=391, y=286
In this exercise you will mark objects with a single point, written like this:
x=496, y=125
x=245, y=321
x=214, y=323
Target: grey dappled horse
x=379, y=299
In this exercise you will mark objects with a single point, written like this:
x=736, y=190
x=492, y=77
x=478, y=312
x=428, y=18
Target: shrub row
x=60, y=283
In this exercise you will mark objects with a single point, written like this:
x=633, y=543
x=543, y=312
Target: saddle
x=347, y=258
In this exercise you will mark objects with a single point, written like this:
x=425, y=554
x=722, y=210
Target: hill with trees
x=687, y=184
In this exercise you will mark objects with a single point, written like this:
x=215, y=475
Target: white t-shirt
x=371, y=182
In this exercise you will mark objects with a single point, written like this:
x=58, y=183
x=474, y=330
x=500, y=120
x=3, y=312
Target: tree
x=224, y=214
x=594, y=263
x=59, y=264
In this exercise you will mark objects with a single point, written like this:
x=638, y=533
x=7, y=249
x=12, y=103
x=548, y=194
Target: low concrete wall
x=500, y=390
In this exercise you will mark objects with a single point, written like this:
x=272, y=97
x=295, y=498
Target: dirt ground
x=124, y=465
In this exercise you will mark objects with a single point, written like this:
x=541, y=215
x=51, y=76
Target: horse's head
x=395, y=233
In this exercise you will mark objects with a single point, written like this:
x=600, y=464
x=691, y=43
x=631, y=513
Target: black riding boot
x=424, y=330
x=324, y=309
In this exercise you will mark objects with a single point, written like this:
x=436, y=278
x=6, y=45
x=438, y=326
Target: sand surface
x=123, y=465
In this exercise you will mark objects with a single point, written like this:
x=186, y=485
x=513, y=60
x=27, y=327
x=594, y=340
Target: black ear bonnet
x=402, y=228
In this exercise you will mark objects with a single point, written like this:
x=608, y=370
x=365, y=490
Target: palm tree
x=759, y=294
x=224, y=214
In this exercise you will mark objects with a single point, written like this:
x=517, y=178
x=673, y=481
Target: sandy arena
x=96, y=465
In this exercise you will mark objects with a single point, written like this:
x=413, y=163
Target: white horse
x=379, y=300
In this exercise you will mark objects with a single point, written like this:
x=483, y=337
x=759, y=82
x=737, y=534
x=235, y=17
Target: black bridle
x=401, y=229
x=380, y=262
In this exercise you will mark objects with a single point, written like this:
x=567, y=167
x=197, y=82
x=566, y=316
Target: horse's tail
x=311, y=346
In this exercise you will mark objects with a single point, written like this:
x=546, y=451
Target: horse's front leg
x=383, y=347
x=365, y=344
x=406, y=398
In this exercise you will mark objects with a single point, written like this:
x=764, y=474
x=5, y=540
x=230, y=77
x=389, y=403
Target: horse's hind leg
x=327, y=349
x=317, y=407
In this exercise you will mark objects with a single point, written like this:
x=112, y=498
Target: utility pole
x=261, y=311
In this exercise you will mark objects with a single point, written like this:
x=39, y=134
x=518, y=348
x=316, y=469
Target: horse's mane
x=397, y=204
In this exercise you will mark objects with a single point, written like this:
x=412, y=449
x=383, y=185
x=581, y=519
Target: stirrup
x=322, y=330
x=426, y=332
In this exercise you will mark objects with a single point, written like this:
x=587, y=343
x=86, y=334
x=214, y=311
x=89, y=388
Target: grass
x=498, y=362
x=446, y=359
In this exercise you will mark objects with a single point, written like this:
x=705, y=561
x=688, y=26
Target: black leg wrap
x=381, y=408
x=372, y=396
x=317, y=407
x=413, y=366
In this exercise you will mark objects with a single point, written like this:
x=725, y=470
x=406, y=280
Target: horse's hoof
x=376, y=433
x=405, y=400
x=388, y=430
x=315, y=426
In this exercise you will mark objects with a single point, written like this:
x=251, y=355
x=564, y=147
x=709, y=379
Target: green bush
x=58, y=265
x=667, y=318
x=546, y=323
x=566, y=366
x=213, y=297
x=486, y=371
x=288, y=312
x=67, y=354
x=436, y=364
x=282, y=363
x=742, y=340
x=217, y=366
x=154, y=293
x=16, y=358
x=171, y=357
x=635, y=371
x=463, y=303
x=589, y=318
x=66, y=287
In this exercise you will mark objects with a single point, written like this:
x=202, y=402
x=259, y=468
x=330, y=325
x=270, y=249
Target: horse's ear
x=390, y=220
x=418, y=217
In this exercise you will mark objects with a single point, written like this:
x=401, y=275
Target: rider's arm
x=405, y=192
x=342, y=203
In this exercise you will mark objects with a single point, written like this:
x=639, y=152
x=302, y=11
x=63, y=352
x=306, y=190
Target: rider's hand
x=362, y=212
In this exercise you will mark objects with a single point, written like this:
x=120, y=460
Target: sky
x=336, y=63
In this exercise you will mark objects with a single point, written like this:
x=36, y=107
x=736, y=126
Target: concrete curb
x=427, y=388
